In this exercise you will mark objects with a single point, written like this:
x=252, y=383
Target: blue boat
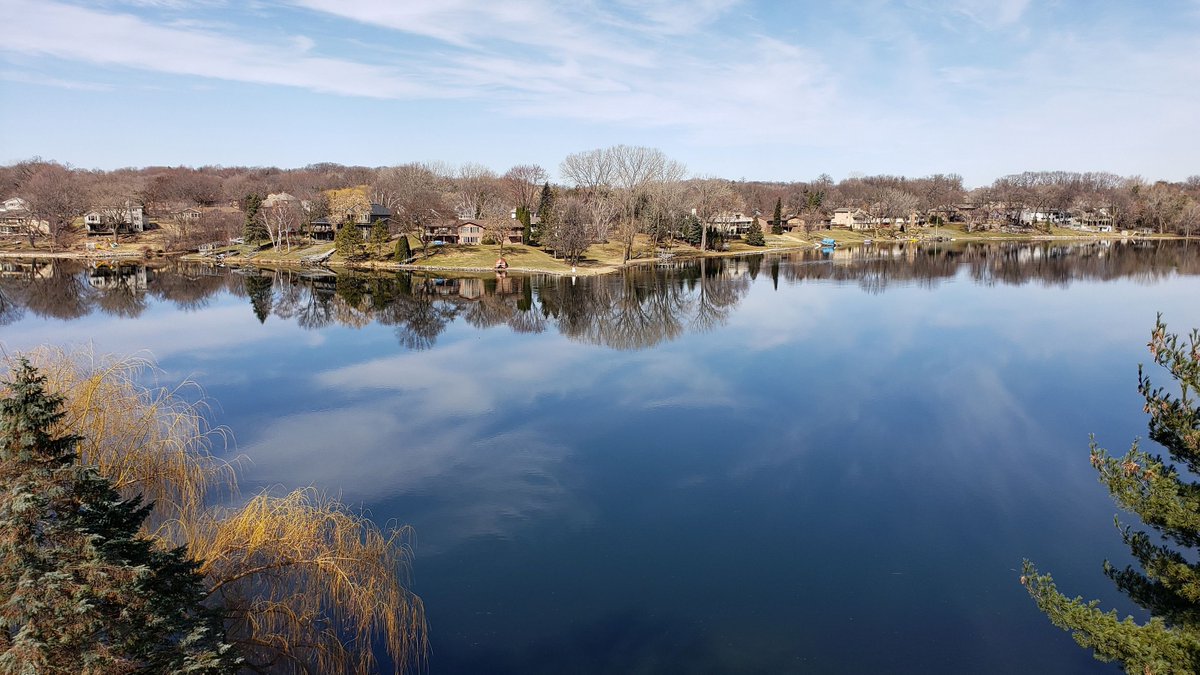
x=828, y=243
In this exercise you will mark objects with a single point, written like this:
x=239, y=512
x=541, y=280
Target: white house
x=279, y=198
x=15, y=218
x=127, y=218
x=735, y=223
x=855, y=219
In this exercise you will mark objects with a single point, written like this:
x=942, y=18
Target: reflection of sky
x=827, y=467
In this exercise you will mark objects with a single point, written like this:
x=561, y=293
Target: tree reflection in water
x=637, y=308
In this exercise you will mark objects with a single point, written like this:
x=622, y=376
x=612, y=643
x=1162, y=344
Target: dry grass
x=301, y=573
x=518, y=256
x=147, y=441
x=304, y=581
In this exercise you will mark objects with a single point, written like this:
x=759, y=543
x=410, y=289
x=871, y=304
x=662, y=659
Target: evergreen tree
x=692, y=230
x=715, y=237
x=403, y=250
x=777, y=221
x=526, y=225
x=261, y=298
x=754, y=236
x=545, y=215
x=379, y=236
x=1166, y=496
x=349, y=241
x=84, y=592
x=254, y=231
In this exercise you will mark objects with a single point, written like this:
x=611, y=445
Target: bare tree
x=1161, y=206
x=281, y=221
x=709, y=197
x=413, y=192
x=497, y=229
x=1189, y=216
x=636, y=171
x=892, y=203
x=592, y=173
x=524, y=183
x=56, y=198
x=569, y=235
x=477, y=191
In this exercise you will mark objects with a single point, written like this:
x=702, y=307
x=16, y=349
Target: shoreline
x=592, y=268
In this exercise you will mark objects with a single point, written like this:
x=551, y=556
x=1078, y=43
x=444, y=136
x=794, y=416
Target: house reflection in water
x=106, y=276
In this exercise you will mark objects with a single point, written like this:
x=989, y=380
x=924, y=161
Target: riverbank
x=599, y=259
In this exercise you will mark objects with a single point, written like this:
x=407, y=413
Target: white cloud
x=80, y=34
x=46, y=81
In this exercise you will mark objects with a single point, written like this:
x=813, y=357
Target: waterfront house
x=733, y=223
x=16, y=217
x=470, y=232
x=279, y=199
x=852, y=218
x=362, y=218
x=125, y=219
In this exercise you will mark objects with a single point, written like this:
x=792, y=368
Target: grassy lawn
x=518, y=257
x=598, y=258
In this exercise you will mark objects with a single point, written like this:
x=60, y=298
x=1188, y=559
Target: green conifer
x=526, y=225
x=546, y=216
x=260, y=289
x=1166, y=497
x=777, y=221
x=403, y=250
x=254, y=231
x=754, y=236
x=349, y=241
x=379, y=236
x=84, y=592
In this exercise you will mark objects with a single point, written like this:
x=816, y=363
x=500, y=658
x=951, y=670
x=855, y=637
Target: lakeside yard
x=601, y=258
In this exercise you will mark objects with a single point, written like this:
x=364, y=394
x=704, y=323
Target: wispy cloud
x=46, y=81
x=992, y=13
x=79, y=34
x=879, y=86
x=635, y=64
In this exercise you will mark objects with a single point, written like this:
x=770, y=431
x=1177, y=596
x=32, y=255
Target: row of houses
x=737, y=223
x=16, y=218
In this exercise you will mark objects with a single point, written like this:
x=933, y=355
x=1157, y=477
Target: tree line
x=602, y=195
x=420, y=307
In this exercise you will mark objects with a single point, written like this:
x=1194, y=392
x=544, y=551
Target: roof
x=380, y=210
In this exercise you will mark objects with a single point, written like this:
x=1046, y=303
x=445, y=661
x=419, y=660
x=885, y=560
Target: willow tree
x=1163, y=493
x=84, y=590
x=302, y=581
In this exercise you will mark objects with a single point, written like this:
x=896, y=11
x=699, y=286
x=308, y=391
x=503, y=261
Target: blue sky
x=737, y=89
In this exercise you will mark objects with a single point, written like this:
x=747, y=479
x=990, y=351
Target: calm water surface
x=806, y=463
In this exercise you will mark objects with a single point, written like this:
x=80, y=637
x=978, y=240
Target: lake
x=812, y=462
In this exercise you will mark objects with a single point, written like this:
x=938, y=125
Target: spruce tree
x=260, y=289
x=1166, y=497
x=545, y=216
x=754, y=236
x=777, y=221
x=379, y=236
x=526, y=225
x=84, y=592
x=403, y=250
x=253, y=231
x=349, y=241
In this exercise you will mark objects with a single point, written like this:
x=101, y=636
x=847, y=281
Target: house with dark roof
x=364, y=220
